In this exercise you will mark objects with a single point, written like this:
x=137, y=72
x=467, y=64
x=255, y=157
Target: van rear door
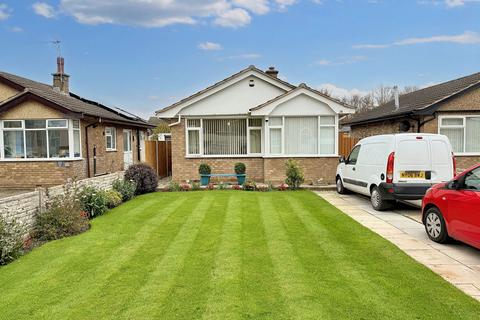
x=422, y=159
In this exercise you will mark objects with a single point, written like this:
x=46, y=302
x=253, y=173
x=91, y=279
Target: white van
x=396, y=167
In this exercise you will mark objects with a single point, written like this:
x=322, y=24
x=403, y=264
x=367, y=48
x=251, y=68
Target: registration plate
x=412, y=174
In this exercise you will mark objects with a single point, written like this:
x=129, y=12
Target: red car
x=452, y=209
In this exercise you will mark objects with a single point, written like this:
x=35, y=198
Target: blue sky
x=144, y=55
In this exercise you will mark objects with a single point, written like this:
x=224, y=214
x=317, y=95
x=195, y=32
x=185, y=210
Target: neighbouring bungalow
x=49, y=135
x=258, y=119
x=451, y=108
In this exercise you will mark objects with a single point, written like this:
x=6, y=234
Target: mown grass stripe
x=48, y=275
x=188, y=296
x=224, y=300
x=101, y=274
x=260, y=290
x=163, y=277
x=291, y=275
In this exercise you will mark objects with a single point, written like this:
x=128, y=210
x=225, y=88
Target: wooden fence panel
x=158, y=154
x=346, y=143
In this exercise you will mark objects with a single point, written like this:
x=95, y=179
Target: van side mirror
x=342, y=159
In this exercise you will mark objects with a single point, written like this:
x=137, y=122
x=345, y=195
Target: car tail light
x=454, y=165
x=390, y=163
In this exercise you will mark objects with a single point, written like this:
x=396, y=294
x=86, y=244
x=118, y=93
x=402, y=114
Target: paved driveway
x=456, y=262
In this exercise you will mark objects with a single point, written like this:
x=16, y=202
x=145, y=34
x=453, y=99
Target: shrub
x=126, y=188
x=63, y=217
x=283, y=187
x=211, y=186
x=236, y=187
x=114, y=198
x=196, y=186
x=294, y=174
x=11, y=241
x=173, y=186
x=249, y=186
x=185, y=187
x=204, y=169
x=144, y=176
x=93, y=201
x=263, y=187
x=240, y=168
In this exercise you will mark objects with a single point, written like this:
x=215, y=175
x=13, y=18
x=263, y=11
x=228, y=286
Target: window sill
x=262, y=156
x=466, y=154
x=111, y=150
x=41, y=160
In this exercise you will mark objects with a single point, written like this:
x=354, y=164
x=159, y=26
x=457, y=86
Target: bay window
x=463, y=133
x=39, y=139
x=285, y=136
x=311, y=135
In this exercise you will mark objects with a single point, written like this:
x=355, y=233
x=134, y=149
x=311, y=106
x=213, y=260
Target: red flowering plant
x=185, y=187
x=283, y=187
x=210, y=186
x=236, y=187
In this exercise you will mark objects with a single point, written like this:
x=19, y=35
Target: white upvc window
x=302, y=136
x=463, y=133
x=38, y=139
x=111, y=138
x=224, y=137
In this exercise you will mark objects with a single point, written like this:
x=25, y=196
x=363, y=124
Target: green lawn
x=226, y=255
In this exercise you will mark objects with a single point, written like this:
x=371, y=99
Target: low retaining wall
x=24, y=207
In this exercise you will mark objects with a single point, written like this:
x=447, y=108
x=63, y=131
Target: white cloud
x=233, y=18
x=338, y=92
x=255, y=6
x=16, y=29
x=4, y=12
x=159, y=13
x=340, y=61
x=209, y=46
x=44, y=9
x=468, y=37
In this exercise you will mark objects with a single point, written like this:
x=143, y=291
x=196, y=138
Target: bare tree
x=409, y=89
x=325, y=91
x=382, y=94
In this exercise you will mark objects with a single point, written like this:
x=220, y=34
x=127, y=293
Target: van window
x=352, y=158
x=373, y=154
x=412, y=152
x=440, y=152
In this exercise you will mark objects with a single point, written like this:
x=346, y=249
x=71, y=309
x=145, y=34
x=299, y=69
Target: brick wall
x=317, y=170
x=24, y=207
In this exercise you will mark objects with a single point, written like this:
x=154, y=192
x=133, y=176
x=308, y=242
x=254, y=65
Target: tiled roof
x=416, y=101
x=73, y=102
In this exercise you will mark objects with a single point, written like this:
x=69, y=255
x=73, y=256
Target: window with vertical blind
x=463, y=133
x=285, y=136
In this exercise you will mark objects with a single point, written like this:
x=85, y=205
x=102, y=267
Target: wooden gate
x=158, y=154
x=345, y=143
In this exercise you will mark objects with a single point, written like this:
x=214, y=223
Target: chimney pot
x=60, y=78
x=272, y=72
x=397, y=98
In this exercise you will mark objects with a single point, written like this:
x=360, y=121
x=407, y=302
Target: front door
x=127, y=149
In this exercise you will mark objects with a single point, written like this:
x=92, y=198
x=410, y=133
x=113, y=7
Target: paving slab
x=455, y=262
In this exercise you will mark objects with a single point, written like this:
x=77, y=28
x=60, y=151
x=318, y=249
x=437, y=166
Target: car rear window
x=412, y=152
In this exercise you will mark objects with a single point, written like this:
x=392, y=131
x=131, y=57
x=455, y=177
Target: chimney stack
x=60, y=78
x=272, y=72
x=397, y=98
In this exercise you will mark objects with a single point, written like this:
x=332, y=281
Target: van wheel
x=435, y=226
x=340, y=188
x=378, y=201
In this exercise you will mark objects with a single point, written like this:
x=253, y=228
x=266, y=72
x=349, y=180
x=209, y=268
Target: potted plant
x=240, y=169
x=204, y=170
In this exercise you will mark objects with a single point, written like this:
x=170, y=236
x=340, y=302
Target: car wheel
x=340, y=188
x=435, y=226
x=378, y=201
